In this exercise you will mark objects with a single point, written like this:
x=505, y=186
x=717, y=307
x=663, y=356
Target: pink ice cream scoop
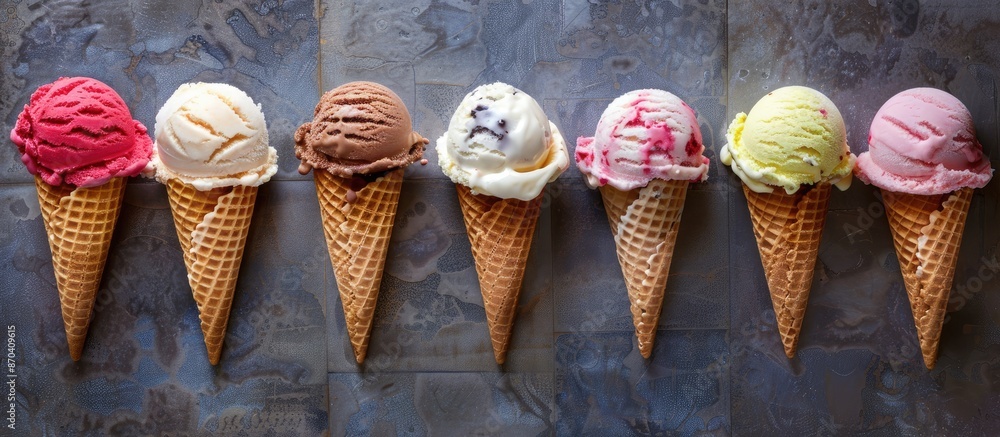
x=78, y=131
x=643, y=135
x=923, y=141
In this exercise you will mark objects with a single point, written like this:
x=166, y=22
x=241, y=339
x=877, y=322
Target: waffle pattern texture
x=788, y=228
x=927, y=232
x=644, y=222
x=357, y=237
x=212, y=227
x=79, y=223
x=500, y=232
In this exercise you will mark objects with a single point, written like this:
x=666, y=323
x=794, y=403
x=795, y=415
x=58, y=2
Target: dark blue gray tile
x=604, y=387
x=621, y=46
x=417, y=403
x=854, y=391
x=590, y=294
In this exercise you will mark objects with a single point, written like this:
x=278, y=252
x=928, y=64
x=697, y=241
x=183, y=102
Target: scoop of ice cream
x=643, y=135
x=358, y=128
x=212, y=135
x=793, y=136
x=922, y=141
x=78, y=131
x=500, y=143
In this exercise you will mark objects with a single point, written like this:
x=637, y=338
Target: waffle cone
x=357, y=237
x=644, y=222
x=927, y=231
x=212, y=228
x=788, y=228
x=500, y=233
x=79, y=223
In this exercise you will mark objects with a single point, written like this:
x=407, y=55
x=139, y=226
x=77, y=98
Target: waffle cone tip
x=645, y=345
x=76, y=350
x=359, y=353
x=499, y=334
x=789, y=337
x=930, y=358
x=499, y=355
x=790, y=349
x=214, y=350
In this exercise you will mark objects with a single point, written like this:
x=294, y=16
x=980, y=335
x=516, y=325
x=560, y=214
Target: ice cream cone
x=788, y=228
x=79, y=223
x=927, y=231
x=212, y=228
x=357, y=236
x=644, y=222
x=500, y=233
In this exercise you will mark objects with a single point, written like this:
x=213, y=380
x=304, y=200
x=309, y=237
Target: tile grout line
x=553, y=413
x=552, y=312
x=729, y=227
x=317, y=15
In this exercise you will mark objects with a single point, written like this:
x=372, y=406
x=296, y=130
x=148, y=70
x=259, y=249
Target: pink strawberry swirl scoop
x=78, y=131
x=643, y=135
x=923, y=141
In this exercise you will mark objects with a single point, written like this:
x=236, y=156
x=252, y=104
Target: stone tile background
x=718, y=367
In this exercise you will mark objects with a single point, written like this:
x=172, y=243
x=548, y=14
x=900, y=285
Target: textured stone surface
x=718, y=367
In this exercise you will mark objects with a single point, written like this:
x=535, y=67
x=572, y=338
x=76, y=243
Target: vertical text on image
x=10, y=360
